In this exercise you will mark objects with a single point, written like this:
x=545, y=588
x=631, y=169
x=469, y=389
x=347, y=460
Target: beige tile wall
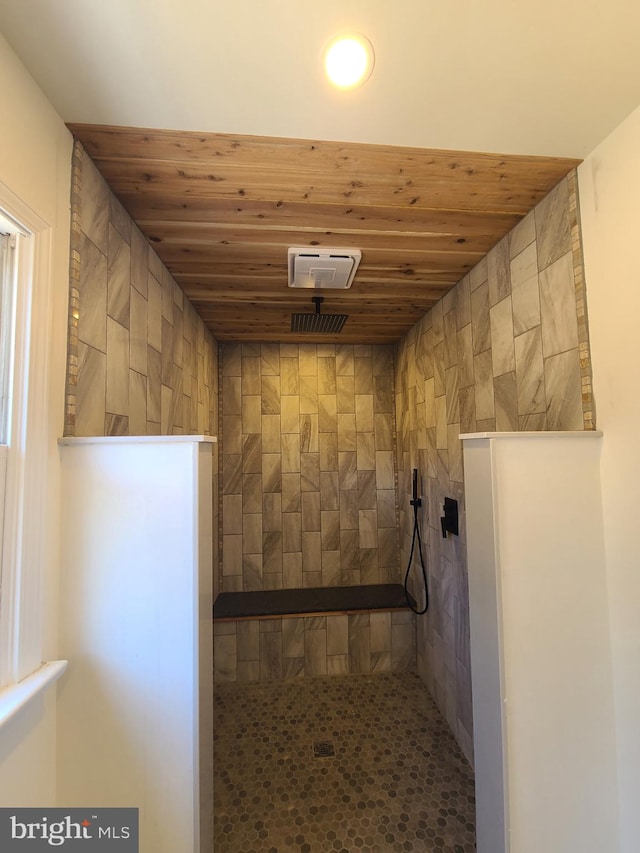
x=307, y=646
x=308, y=466
x=506, y=349
x=141, y=361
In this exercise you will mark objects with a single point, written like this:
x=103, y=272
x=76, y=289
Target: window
x=25, y=286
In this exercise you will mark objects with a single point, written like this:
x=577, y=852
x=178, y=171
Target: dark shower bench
x=274, y=603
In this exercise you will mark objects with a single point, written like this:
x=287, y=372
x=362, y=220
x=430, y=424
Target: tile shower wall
x=308, y=466
x=506, y=349
x=141, y=361
x=308, y=646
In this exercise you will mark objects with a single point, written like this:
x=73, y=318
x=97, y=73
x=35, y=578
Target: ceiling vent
x=330, y=268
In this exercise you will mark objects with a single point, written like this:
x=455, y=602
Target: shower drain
x=323, y=749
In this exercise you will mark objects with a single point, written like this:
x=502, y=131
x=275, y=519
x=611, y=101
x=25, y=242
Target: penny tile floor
x=354, y=763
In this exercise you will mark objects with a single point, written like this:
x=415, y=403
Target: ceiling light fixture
x=348, y=60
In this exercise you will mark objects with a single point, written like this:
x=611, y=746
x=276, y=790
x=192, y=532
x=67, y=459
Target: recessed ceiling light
x=348, y=60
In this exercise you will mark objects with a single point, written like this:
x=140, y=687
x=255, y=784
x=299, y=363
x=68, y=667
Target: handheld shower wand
x=416, y=503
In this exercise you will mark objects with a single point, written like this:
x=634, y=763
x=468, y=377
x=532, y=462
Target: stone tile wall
x=306, y=646
x=308, y=466
x=141, y=361
x=506, y=349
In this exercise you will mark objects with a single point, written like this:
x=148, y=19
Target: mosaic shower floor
x=362, y=762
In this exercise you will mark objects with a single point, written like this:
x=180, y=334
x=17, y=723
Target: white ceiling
x=550, y=77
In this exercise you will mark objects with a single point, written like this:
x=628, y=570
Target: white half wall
x=35, y=167
x=609, y=182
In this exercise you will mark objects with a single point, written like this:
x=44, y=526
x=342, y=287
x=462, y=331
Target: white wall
x=35, y=165
x=609, y=182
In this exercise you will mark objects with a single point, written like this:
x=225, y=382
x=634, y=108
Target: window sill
x=16, y=696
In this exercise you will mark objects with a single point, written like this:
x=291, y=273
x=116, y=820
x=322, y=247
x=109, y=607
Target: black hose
x=415, y=503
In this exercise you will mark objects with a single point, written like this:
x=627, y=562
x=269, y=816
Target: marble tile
x=308, y=360
x=118, y=277
x=380, y=632
x=359, y=649
x=564, y=400
x=502, y=351
x=368, y=528
x=225, y=658
x=291, y=532
x=251, y=533
x=94, y=206
x=290, y=414
x=270, y=395
x=251, y=380
x=166, y=353
x=251, y=454
x=331, y=568
x=290, y=445
x=558, y=307
x=248, y=637
x=231, y=555
x=383, y=393
x=232, y=397
x=251, y=493
x=330, y=530
x=526, y=306
x=522, y=235
x=139, y=266
x=310, y=502
x=367, y=490
x=451, y=389
x=530, y=372
x=292, y=570
x=327, y=375
x=272, y=475
x=309, y=434
x=270, y=656
x=251, y=409
x=345, y=360
x=248, y=671
x=293, y=638
x=465, y=357
x=480, y=323
x=270, y=433
x=315, y=652
x=337, y=664
x=290, y=484
x=271, y=512
x=524, y=266
x=441, y=422
x=450, y=339
x=310, y=472
x=117, y=394
x=154, y=316
x=337, y=634
x=232, y=513
x=327, y=411
x=483, y=373
x=329, y=491
x=328, y=451
x=454, y=447
x=232, y=431
x=462, y=296
x=385, y=470
x=272, y=558
x=289, y=376
x=345, y=394
x=506, y=402
x=388, y=554
x=479, y=274
x=365, y=451
x=346, y=432
x=92, y=377
x=232, y=360
x=154, y=384
x=348, y=510
x=499, y=273
x=309, y=394
x=363, y=376
x=92, y=286
x=270, y=357
x=553, y=229
x=137, y=403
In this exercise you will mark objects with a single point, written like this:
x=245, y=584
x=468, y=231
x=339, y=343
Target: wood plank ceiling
x=222, y=210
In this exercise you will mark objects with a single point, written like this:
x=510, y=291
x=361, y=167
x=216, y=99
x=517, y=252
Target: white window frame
x=26, y=528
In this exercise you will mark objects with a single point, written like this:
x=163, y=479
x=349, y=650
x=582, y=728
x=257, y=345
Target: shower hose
x=415, y=503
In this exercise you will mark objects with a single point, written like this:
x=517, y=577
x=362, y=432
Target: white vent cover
x=331, y=268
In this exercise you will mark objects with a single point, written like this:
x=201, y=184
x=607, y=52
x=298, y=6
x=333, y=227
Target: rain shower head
x=318, y=324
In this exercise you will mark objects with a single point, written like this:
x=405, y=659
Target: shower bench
x=280, y=634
